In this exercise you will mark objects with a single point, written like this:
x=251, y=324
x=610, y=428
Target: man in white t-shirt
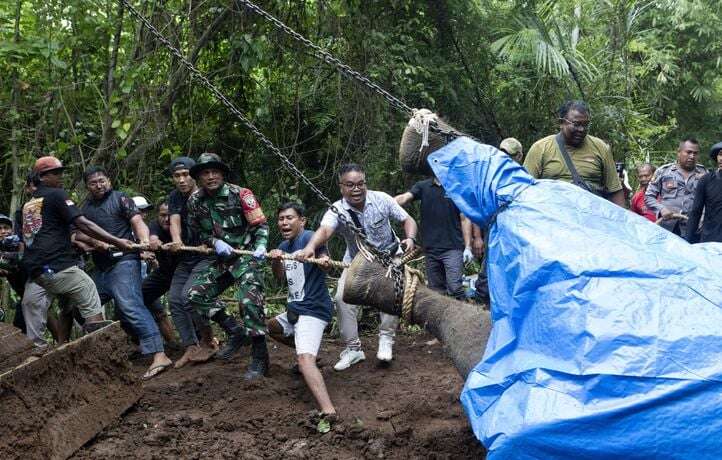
x=371, y=211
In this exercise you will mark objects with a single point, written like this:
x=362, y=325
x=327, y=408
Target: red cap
x=45, y=164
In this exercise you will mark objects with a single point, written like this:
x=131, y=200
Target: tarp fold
x=607, y=329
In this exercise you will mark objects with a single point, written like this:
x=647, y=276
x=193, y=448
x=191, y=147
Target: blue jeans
x=445, y=271
x=122, y=283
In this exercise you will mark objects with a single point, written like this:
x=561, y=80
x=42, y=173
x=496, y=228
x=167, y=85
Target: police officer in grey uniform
x=672, y=188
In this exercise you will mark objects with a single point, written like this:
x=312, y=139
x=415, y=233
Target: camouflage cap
x=511, y=146
x=207, y=161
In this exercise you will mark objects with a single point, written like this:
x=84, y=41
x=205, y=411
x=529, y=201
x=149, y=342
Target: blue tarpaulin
x=607, y=329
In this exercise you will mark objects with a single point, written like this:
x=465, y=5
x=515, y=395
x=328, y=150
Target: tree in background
x=82, y=80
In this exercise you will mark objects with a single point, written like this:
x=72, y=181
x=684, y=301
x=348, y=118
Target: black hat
x=180, y=163
x=4, y=218
x=207, y=161
x=715, y=150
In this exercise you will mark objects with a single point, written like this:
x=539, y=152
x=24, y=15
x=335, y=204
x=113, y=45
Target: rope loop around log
x=412, y=277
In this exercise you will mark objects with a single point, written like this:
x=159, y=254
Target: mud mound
x=14, y=347
x=51, y=406
x=409, y=410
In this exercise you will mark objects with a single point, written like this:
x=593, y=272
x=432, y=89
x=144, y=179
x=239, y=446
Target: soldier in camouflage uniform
x=228, y=217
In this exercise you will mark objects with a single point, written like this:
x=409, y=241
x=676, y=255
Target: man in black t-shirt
x=445, y=234
x=117, y=274
x=49, y=258
x=200, y=345
x=156, y=281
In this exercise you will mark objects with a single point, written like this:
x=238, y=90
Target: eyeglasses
x=357, y=185
x=579, y=125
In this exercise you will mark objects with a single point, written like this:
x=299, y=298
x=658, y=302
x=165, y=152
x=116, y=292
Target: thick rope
x=241, y=252
x=410, y=255
x=420, y=122
x=412, y=277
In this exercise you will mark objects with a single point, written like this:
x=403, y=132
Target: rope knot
x=420, y=123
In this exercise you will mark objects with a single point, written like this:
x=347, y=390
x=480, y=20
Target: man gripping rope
x=229, y=217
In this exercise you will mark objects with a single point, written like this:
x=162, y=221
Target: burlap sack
x=412, y=160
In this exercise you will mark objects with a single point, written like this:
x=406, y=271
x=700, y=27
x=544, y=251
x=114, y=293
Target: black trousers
x=17, y=280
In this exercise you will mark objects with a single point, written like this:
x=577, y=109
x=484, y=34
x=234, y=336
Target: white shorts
x=307, y=332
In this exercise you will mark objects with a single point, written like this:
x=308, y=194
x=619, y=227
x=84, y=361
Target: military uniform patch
x=251, y=208
x=250, y=201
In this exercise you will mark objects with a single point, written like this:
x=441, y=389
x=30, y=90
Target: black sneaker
x=257, y=369
x=233, y=344
x=235, y=338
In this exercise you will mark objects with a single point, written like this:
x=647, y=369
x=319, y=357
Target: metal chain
x=385, y=258
x=251, y=127
x=326, y=57
x=346, y=70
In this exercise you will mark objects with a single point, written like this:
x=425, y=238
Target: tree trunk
x=484, y=99
x=15, y=115
x=14, y=144
x=104, y=152
x=462, y=327
x=177, y=80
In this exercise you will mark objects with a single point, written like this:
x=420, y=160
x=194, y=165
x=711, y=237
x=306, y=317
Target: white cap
x=142, y=203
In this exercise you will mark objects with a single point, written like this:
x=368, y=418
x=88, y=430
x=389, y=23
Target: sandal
x=155, y=370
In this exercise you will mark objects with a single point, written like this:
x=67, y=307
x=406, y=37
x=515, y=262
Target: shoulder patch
x=251, y=207
x=250, y=201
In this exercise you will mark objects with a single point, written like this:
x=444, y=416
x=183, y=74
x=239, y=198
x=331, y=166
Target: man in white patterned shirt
x=372, y=211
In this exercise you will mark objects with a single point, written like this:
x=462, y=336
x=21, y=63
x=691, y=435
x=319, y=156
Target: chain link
x=251, y=127
x=346, y=70
x=326, y=57
x=395, y=270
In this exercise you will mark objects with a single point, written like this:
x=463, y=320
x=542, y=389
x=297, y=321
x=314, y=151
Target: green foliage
x=83, y=81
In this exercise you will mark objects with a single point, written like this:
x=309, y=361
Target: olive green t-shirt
x=593, y=160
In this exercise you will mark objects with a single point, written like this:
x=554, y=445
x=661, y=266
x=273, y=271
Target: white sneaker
x=385, y=352
x=349, y=357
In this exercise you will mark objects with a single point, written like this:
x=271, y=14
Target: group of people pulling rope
x=211, y=251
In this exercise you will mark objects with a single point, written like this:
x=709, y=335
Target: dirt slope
x=409, y=410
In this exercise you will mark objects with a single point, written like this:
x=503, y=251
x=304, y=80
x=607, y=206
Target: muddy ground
x=409, y=410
